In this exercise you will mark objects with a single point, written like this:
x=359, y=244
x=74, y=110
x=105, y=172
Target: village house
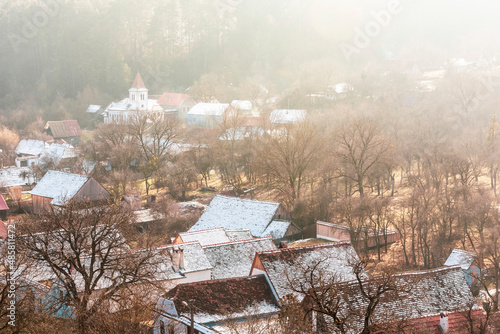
x=68, y=130
x=230, y=252
x=363, y=238
x=429, y=301
x=137, y=103
x=336, y=261
x=261, y=218
x=469, y=263
x=181, y=104
x=59, y=188
x=279, y=117
x=206, y=115
x=15, y=180
x=32, y=153
x=214, y=304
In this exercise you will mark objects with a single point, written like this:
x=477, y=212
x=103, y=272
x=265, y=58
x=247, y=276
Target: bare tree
x=361, y=148
x=288, y=157
x=82, y=248
x=154, y=136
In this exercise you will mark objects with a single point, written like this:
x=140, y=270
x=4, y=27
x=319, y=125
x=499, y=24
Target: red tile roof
x=223, y=296
x=172, y=99
x=63, y=129
x=3, y=205
x=138, y=83
x=457, y=321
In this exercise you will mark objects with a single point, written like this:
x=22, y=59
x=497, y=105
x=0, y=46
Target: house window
x=24, y=163
x=162, y=327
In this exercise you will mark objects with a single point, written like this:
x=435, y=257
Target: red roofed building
x=68, y=130
x=215, y=302
x=180, y=103
x=3, y=230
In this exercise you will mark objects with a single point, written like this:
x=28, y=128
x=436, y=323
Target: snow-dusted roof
x=131, y=105
x=146, y=216
x=460, y=257
x=242, y=104
x=30, y=147
x=57, y=152
x=237, y=213
x=420, y=294
x=286, y=116
x=335, y=261
x=235, y=258
x=12, y=177
x=238, y=234
x=277, y=229
x=208, y=109
x=59, y=186
x=220, y=300
x=206, y=237
x=93, y=108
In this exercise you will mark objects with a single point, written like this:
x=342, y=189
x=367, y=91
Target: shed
x=59, y=188
x=69, y=130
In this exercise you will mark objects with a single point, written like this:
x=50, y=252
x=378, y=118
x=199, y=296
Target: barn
x=59, y=188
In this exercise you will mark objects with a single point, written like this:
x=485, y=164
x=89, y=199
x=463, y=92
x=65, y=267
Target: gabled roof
x=138, y=83
x=460, y=257
x=242, y=104
x=335, y=260
x=238, y=234
x=93, y=108
x=277, y=229
x=132, y=105
x=208, y=109
x=63, y=129
x=59, y=186
x=234, y=259
x=287, y=116
x=237, y=213
x=30, y=147
x=417, y=294
x=224, y=299
x=3, y=205
x=172, y=99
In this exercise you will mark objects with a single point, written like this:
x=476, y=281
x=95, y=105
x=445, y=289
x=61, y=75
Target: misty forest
x=158, y=157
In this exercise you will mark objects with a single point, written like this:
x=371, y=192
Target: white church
x=138, y=101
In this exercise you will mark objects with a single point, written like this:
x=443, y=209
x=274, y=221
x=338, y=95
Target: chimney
x=181, y=258
x=443, y=324
x=175, y=259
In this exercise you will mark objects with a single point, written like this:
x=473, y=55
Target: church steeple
x=138, y=92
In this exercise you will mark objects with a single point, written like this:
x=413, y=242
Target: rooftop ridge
x=200, y=231
x=430, y=271
x=464, y=251
x=211, y=281
x=238, y=241
x=322, y=245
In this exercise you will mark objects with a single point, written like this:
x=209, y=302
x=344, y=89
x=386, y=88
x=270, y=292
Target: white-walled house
x=137, y=102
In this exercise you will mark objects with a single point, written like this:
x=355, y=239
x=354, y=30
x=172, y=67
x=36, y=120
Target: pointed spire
x=138, y=83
